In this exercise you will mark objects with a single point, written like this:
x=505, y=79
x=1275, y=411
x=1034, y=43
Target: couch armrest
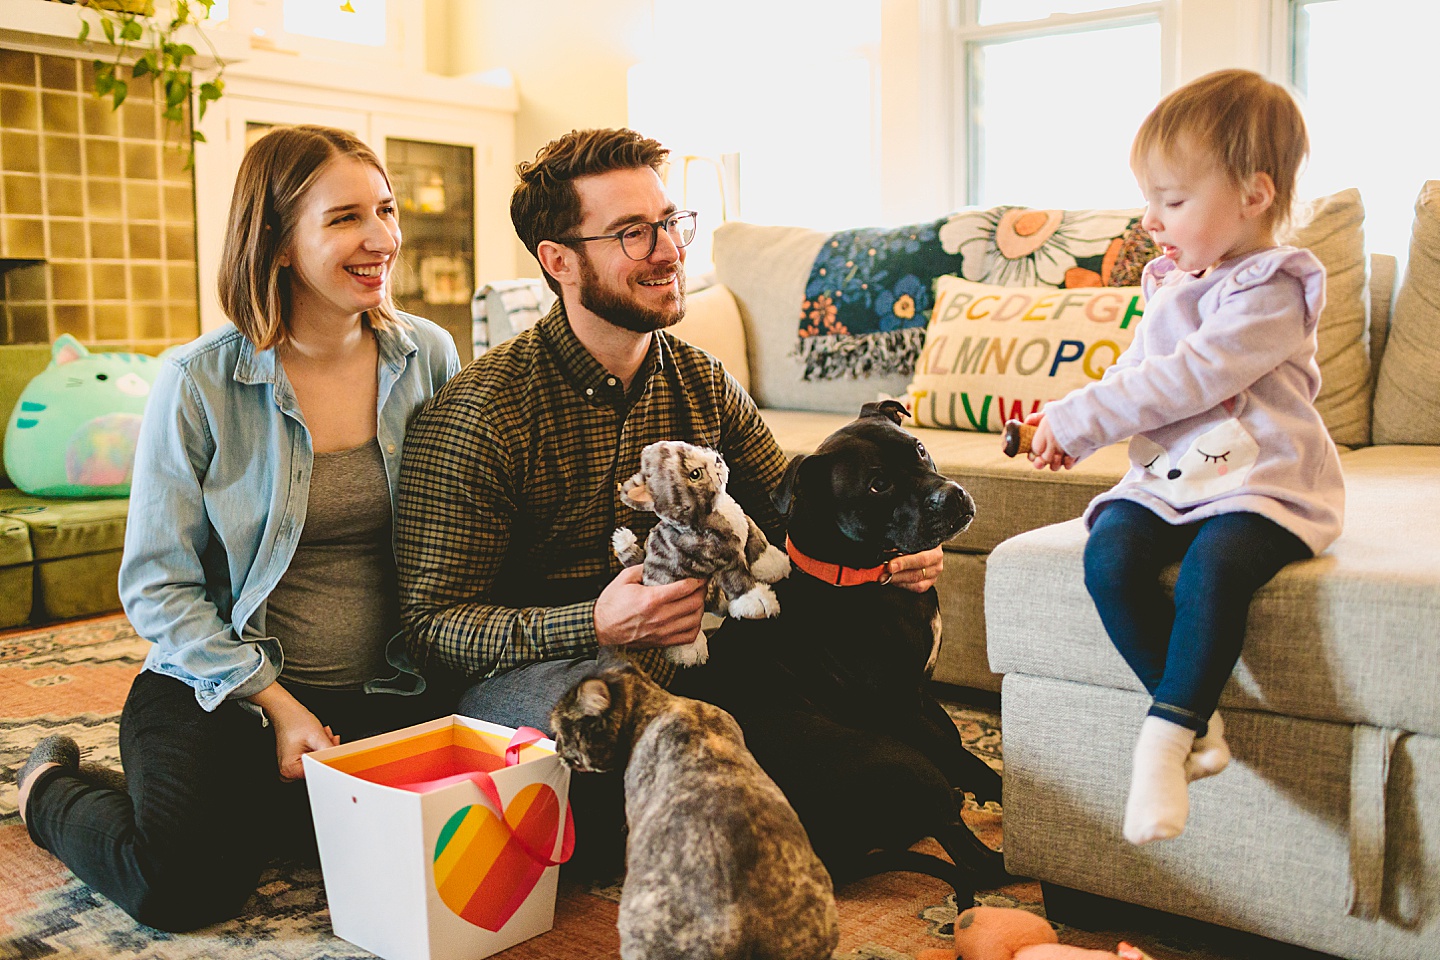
x=712, y=323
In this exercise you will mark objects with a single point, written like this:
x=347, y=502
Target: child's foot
x=55, y=750
x=1159, y=800
x=1210, y=754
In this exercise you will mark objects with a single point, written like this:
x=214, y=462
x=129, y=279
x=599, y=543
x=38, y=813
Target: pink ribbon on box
x=523, y=737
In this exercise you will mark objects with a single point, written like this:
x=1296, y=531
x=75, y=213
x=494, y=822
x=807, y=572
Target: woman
x=258, y=553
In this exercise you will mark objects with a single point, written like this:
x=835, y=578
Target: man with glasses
x=509, y=485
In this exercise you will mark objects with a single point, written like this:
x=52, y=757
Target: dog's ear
x=634, y=493
x=892, y=410
x=784, y=495
x=800, y=472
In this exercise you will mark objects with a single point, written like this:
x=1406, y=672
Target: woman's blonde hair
x=275, y=174
x=1246, y=123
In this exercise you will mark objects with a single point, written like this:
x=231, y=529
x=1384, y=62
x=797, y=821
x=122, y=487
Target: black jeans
x=1183, y=650
x=206, y=808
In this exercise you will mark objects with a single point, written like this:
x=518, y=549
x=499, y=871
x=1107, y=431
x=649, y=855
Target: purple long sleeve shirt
x=1217, y=392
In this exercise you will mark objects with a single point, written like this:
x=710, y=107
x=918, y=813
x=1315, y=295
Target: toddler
x=1232, y=472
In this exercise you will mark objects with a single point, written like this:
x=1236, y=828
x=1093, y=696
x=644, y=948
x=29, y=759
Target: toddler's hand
x=1045, y=450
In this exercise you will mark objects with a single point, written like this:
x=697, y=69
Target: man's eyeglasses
x=638, y=239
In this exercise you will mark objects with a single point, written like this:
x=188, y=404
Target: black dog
x=832, y=694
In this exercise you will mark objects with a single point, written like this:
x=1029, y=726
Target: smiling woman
x=258, y=557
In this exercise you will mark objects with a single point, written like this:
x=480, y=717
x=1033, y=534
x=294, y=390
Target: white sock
x=1210, y=754
x=1159, y=798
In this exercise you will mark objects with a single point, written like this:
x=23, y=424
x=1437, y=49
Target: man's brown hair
x=275, y=174
x=1244, y=122
x=546, y=205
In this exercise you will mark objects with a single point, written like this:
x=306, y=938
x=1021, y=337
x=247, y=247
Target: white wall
x=569, y=59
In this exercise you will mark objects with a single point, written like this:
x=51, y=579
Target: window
x=796, y=100
x=1052, y=92
x=373, y=31
x=1366, y=71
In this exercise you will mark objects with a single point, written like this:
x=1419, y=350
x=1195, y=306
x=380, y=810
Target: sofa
x=1325, y=831
x=59, y=558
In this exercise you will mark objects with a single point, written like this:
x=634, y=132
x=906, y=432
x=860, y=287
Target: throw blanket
x=870, y=291
x=868, y=300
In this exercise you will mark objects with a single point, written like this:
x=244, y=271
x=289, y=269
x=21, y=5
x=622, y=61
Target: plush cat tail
x=609, y=657
x=627, y=547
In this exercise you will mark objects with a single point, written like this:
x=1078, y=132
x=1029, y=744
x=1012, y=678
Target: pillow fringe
x=831, y=357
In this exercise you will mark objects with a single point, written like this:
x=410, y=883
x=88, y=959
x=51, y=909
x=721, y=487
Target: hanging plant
x=146, y=46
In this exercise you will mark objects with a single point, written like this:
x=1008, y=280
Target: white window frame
x=263, y=22
x=925, y=147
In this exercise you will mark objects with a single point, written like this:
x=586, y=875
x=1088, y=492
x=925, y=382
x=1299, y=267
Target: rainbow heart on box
x=485, y=866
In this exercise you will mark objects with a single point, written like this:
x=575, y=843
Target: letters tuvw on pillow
x=995, y=353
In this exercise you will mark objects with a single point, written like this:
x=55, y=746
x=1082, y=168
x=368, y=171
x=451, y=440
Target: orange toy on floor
x=1002, y=933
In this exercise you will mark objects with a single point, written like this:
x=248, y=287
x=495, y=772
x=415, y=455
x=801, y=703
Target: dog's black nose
x=951, y=502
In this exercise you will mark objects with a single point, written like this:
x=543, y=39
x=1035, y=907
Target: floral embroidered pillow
x=1017, y=246
x=869, y=293
x=993, y=353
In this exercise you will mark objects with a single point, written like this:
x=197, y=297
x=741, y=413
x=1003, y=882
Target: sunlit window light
x=325, y=20
x=1036, y=141
x=1019, y=11
x=1365, y=66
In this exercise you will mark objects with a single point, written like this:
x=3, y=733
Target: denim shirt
x=218, y=499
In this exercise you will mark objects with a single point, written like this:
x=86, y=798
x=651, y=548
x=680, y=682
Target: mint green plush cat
x=73, y=430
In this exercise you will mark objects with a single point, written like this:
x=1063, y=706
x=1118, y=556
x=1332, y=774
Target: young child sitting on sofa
x=1232, y=472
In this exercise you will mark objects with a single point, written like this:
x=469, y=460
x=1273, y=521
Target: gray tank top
x=338, y=603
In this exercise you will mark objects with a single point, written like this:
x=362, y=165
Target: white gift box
x=441, y=841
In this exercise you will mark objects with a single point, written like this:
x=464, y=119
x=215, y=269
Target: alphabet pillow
x=73, y=430
x=995, y=353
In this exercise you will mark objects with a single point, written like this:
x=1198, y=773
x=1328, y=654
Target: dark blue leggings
x=1183, y=650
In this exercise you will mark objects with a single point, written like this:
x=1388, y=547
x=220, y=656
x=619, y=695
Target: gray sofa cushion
x=1003, y=507
x=1407, y=396
x=1267, y=847
x=1348, y=636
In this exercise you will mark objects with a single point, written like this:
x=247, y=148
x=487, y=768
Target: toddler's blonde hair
x=1246, y=123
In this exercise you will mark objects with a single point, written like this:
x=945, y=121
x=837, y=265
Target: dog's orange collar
x=834, y=573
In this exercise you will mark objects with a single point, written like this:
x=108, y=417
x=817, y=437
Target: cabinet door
x=434, y=187
x=463, y=162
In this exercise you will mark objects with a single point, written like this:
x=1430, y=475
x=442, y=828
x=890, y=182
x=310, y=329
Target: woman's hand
x=297, y=730
x=916, y=571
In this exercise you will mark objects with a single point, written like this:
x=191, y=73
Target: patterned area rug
x=73, y=678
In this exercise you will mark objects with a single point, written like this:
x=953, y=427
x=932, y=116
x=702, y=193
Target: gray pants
x=523, y=697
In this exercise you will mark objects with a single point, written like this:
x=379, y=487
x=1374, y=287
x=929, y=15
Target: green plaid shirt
x=509, y=492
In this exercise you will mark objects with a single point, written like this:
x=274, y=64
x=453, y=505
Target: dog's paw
x=626, y=546
x=756, y=604
x=772, y=565
x=690, y=654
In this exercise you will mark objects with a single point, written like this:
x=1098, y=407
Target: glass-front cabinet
x=434, y=189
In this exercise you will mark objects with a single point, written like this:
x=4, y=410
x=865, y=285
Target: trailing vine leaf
x=137, y=35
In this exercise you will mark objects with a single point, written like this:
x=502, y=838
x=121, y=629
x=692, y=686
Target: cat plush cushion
x=73, y=430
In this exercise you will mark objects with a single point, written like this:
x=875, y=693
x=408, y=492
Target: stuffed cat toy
x=702, y=533
x=73, y=430
x=717, y=865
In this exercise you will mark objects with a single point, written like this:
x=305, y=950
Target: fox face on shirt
x=1218, y=461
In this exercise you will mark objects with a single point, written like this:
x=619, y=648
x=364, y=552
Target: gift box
x=441, y=841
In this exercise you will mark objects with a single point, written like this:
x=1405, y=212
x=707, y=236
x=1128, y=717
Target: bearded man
x=509, y=487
